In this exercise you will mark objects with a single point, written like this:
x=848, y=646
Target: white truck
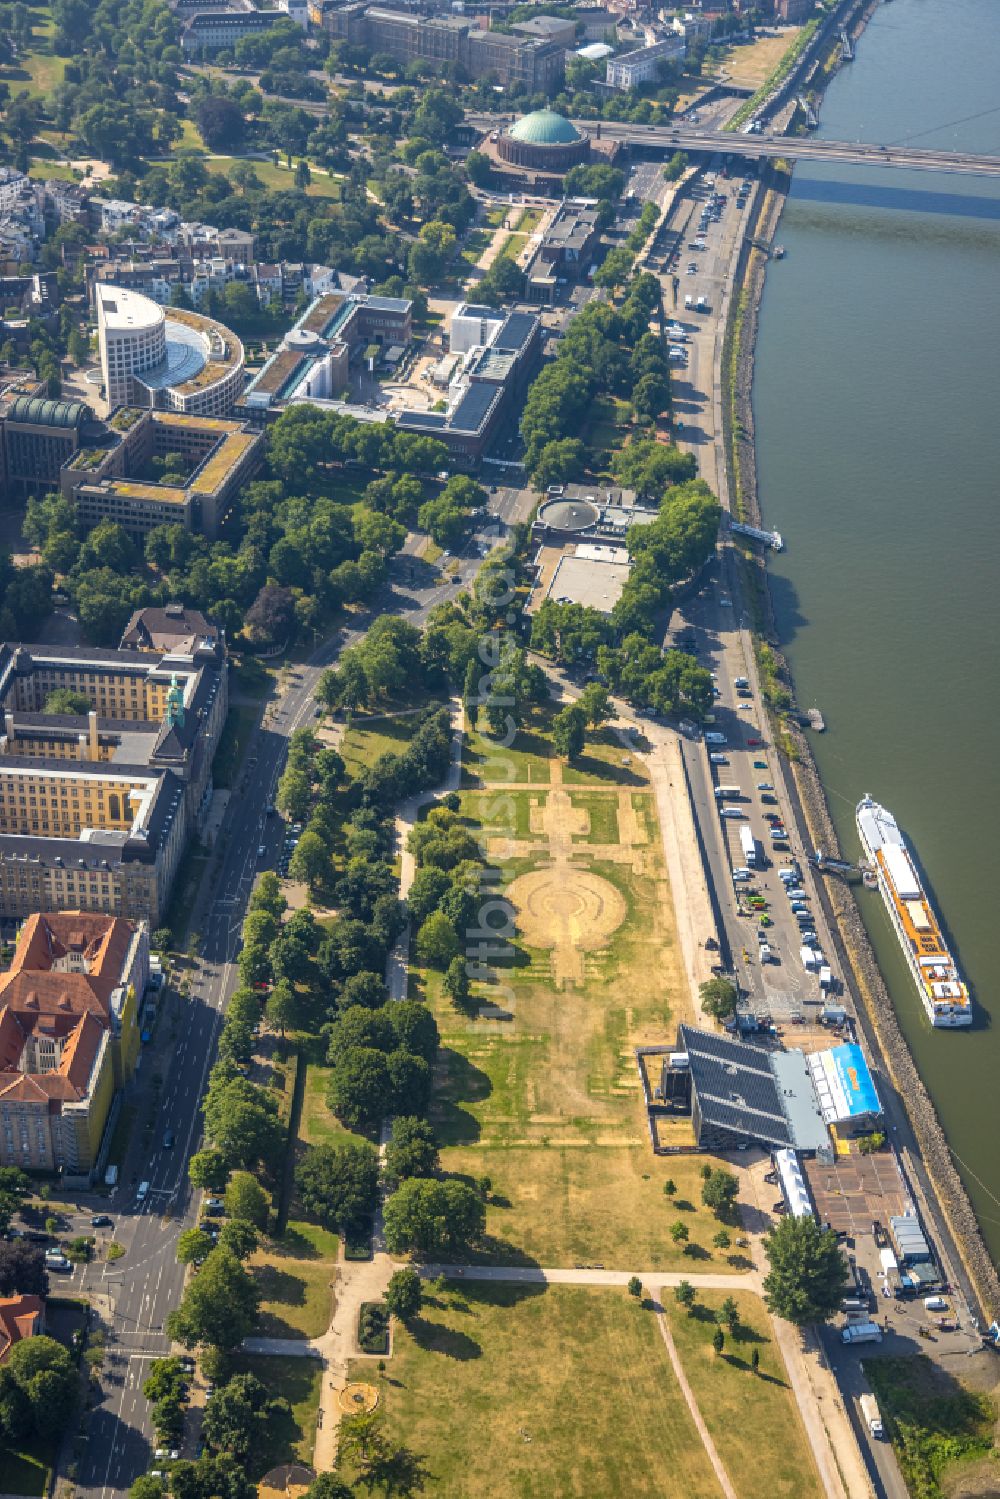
x=861, y=1332
x=872, y=1415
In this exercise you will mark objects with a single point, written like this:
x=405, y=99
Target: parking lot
x=856, y=1190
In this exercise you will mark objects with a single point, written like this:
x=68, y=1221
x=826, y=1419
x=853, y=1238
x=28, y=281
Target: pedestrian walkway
x=359, y=1281
x=397, y=974
x=748, y=1280
x=711, y=1451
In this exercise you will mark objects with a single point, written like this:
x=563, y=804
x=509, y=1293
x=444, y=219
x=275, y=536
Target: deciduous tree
x=219, y=1307
x=808, y=1272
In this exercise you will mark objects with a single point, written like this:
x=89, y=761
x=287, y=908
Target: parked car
x=101, y=1220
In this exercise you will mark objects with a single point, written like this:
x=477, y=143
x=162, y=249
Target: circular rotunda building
x=168, y=358
x=543, y=142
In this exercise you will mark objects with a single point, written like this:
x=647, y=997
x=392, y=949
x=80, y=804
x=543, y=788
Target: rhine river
x=877, y=401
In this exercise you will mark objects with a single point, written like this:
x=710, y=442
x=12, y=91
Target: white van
x=935, y=1304
x=143, y=1192
x=740, y=875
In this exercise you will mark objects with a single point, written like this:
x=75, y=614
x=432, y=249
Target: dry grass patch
x=592, y=1204
x=606, y=762
x=548, y=1103
x=753, y=1418
x=750, y=65
x=532, y=1393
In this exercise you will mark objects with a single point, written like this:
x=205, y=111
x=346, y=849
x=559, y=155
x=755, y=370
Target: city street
x=134, y=1293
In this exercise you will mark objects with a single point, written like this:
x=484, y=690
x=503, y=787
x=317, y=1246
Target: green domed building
x=544, y=142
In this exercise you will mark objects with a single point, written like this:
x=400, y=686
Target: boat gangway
x=773, y=539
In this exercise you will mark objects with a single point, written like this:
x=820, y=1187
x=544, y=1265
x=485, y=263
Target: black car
x=101, y=1220
x=168, y=1140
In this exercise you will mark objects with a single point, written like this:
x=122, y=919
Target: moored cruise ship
x=935, y=972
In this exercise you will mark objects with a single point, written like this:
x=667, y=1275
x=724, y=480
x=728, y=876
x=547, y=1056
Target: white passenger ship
x=940, y=985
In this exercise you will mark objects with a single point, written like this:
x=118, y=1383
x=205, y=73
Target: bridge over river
x=794, y=148
x=678, y=137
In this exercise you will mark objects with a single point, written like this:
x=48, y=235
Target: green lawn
x=739, y=1406
x=190, y=139
x=317, y=1125
x=532, y=1393
x=43, y=169
x=38, y=71
x=485, y=761
x=299, y=1381
x=512, y=247
x=502, y=814
x=23, y=1471
x=605, y=424
x=475, y=243
x=530, y=220
x=601, y=808
x=370, y=736
x=280, y=178
x=295, y=1275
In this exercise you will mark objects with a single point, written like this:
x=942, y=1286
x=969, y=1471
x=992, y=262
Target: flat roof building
x=37, y=437
x=488, y=387
x=593, y=576
x=741, y=1094
x=114, y=479
x=565, y=250
x=97, y=807
x=316, y=354
x=644, y=65
x=845, y=1087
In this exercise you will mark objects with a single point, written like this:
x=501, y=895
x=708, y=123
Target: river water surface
x=877, y=401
